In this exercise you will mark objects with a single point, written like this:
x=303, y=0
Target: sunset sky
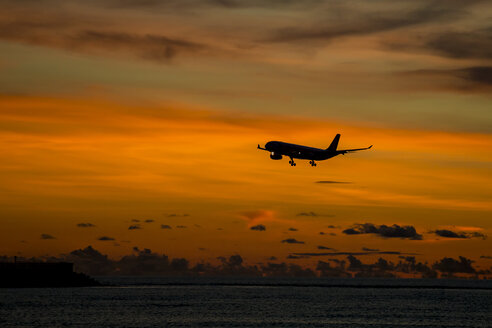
x=118, y=112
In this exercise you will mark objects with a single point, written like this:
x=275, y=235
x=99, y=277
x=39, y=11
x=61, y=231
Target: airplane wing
x=344, y=151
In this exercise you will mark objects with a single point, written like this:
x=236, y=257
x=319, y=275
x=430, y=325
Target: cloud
x=394, y=231
x=346, y=21
x=463, y=235
x=259, y=227
x=292, y=241
x=326, y=270
x=292, y=229
x=91, y=261
x=135, y=220
x=332, y=182
x=486, y=257
x=355, y=253
x=296, y=257
x=90, y=35
x=313, y=214
x=149, y=221
x=165, y=226
x=203, y=4
x=468, y=79
x=450, y=266
x=176, y=215
x=47, y=236
x=181, y=227
x=105, y=238
x=134, y=227
x=326, y=248
x=144, y=262
x=85, y=225
x=370, y=249
x=475, y=44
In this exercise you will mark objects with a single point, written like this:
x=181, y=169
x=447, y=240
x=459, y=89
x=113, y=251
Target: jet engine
x=275, y=155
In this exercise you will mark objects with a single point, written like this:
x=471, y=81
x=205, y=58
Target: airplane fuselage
x=278, y=149
x=298, y=151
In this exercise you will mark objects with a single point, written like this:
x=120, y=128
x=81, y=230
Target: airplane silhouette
x=279, y=148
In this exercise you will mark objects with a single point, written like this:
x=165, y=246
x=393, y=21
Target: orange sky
x=126, y=116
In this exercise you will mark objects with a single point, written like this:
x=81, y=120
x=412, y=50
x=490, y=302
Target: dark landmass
x=42, y=274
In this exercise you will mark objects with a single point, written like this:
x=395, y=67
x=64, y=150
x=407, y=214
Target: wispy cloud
x=85, y=225
x=47, y=236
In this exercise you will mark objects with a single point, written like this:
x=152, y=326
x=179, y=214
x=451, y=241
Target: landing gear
x=291, y=162
x=312, y=163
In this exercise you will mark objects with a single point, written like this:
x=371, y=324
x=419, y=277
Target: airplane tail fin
x=334, y=143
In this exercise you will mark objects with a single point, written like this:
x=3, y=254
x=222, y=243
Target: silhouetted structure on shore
x=42, y=274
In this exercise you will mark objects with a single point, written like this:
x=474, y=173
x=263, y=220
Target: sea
x=252, y=302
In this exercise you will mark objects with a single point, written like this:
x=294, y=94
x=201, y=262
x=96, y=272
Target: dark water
x=252, y=303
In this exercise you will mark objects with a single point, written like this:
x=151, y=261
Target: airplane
x=279, y=148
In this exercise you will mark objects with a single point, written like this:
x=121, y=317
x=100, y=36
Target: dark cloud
x=272, y=258
x=371, y=21
x=486, y=257
x=449, y=234
x=91, y=261
x=472, y=44
x=292, y=229
x=451, y=266
x=47, y=236
x=460, y=234
x=149, y=221
x=134, y=227
x=201, y=4
x=165, y=226
x=175, y=215
x=370, y=249
x=313, y=214
x=286, y=270
x=292, y=241
x=477, y=74
x=181, y=227
x=394, y=231
x=85, y=225
x=145, y=262
x=296, y=257
x=259, y=227
x=354, y=253
x=105, y=238
x=331, y=181
x=326, y=270
x=326, y=248
x=333, y=227
x=468, y=79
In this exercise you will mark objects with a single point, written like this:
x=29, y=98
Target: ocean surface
x=252, y=302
